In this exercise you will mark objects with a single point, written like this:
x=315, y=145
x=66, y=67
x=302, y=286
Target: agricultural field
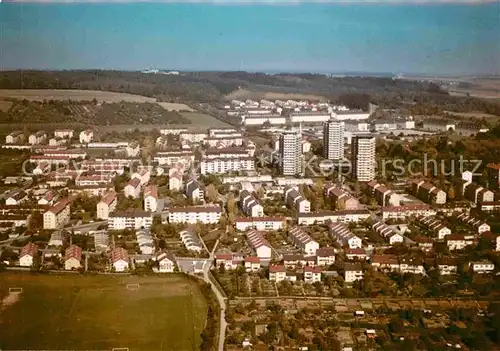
x=204, y=120
x=173, y=106
x=100, y=312
x=75, y=95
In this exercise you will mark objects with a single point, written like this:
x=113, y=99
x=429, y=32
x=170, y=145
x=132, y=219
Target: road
x=86, y=227
x=219, y=295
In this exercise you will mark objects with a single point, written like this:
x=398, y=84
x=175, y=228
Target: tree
x=211, y=193
x=36, y=221
x=451, y=193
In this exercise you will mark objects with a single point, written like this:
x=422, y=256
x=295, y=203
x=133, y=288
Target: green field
x=100, y=313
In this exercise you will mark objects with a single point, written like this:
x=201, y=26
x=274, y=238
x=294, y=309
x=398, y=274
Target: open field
x=206, y=121
x=48, y=94
x=243, y=94
x=471, y=114
x=173, y=106
x=99, y=312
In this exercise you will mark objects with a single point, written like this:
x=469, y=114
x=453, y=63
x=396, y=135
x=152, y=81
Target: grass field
x=48, y=94
x=100, y=313
x=202, y=120
x=173, y=106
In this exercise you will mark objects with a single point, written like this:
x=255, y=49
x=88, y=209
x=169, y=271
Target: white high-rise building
x=363, y=157
x=290, y=153
x=333, y=140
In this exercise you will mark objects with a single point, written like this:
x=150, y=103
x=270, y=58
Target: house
x=48, y=199
x=482, y=267
x=191, y=240
x=260, y=223
x=427, y=192
x=493, y=172
x=477, y=194
x=143, y=174
x=344, y=236
x=405, y=211
x=194, y=191
x=277, y=273
x=312, y=274
x=298, y=237
x=250, y=205
x=64, y=133
x=447, y=266
x=151, y=198
x=72, y=258
x=477, y=224
x=16, y=137
x=86, y=136
x=352, y=272
x=229, y=261
x=119, y=259
x=56, y=238
x=133, y=188
x=131, y=219
x=293, y=260
x=341, y=199
x=390, y=235
x=58, y=215
x=175, y=181
x=107, y=205
x=383, y=195
x=42, y=168
x=133, y=149
x=436, y=226
x=145, y=241
x=260, y=245
x=166, y=263
x=226, y=165
x=252, y=264
x=27, y=255
x=207, y=214
x=497, y=248
x=459, y=241
x=16, y=197
x=37, y=138
x=411, y=265
x=355, y=254
x=385, y=262
x=296, y=201
x=424, y=243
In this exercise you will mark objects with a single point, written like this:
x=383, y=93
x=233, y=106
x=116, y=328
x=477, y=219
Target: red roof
x=276, y=269
x=61, y=205
x=119, y=253
x=325, y=252
x=252, y=259
x=73, y=252
x=109, y=198
x=134, y=183
x=357, y=251
x=312, y=269
x=260, y=219
x=151, y=190
x=225, y=257
x=28, y=249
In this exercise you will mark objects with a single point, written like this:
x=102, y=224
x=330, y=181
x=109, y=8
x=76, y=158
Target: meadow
x=166, y=312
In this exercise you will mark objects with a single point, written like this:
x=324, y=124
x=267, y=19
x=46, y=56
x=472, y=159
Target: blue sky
x=317, y=37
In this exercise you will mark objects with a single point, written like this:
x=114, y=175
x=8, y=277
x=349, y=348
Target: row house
x=344, y=236
x=312, y=274
x=342, y=216
x=145, y=241
x=277, y=273
x=151, y=198
x=37, y=138
x=222, y=142
x=16, y=137
x=72, y=258
x=384, y=195
x=132, y=219
x=192, y=137
x=133, y=188
x=58, y=215
x=143, y=174
x=53, y=160
x=355, y=254
x=427, y=192
x=459, y=241
x=493, y=172
x=394, y=263
x=191, y=240
x=48, y=198
x=226, y=165
x=260, y=223
x=223, y=132
x=15, y=220
x=302, y=240
x=436, y=226
x=16, y=197
x=325, y=256
x=477, y=194
x=352, y=272
x=230, y=261
x=27, y=255
x=250, y=205
x=95, y=179
x=119, y=259
x=252, y=264
x=482, y=267
x=477, y=224
x=107, y=205
x=389, y=234
x=91, y=190
x=405, y=211
x=438, y=124
x=64, y=133
x=342, y=199
x=424, y=243
x=169, y=158
x=259, y=244
x=73, y=154
x=209, y=214
x=194, y=191
x=57, y=141
x=294, y=261
x=296, y=201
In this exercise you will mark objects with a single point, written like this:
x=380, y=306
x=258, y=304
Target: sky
x=305, y=36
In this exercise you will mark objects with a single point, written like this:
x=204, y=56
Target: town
x=290, y=201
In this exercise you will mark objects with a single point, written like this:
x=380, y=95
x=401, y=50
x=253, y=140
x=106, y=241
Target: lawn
x=99, y=312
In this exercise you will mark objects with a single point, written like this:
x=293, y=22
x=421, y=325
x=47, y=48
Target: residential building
x=355, y=254
x=341, y=198
x=493, y=172
x=86, y=136
x=436, y=226
x=385, y=262
x=277, y=273
x=107, y=205
x=48, y=199
x=143, y=174
x=341, y=216
x=119, y=259
x=133, y=188
x=208, y=214
x=300, y=239
x=72, y=258
x=477, y=194
x=16, y=197
x=439, y=124
x=352, y=272
x=310, y=116
x=405, y=211
x=497, y=240
x=447, y=266
x=363, y=157
x=16, y=137
x=27, y=255
x=295, y=200
x=259, y=223
x=312, y=274
x=37, y=138
x=166, y=262
x=226, y=165
x=151, y=198
x=290, y=153
x=56, y=238
x=252, y=264
x=325, y=256
x=260, y=245
x=57, y=216
x=133, y=149
x=459, y=241
x=191, y=240
x=411, y=265
x=390, y=235
x=475, y=223
x=427, y=192
x=175, y=181
x=344, y=236
x=64, y=133
x=131, y=219
x=384, y=195
x=194, y=191
x=482, y=267
x=333, y=140
x=250, y=205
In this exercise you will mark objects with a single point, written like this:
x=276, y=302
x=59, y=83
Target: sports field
x=76, y=312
